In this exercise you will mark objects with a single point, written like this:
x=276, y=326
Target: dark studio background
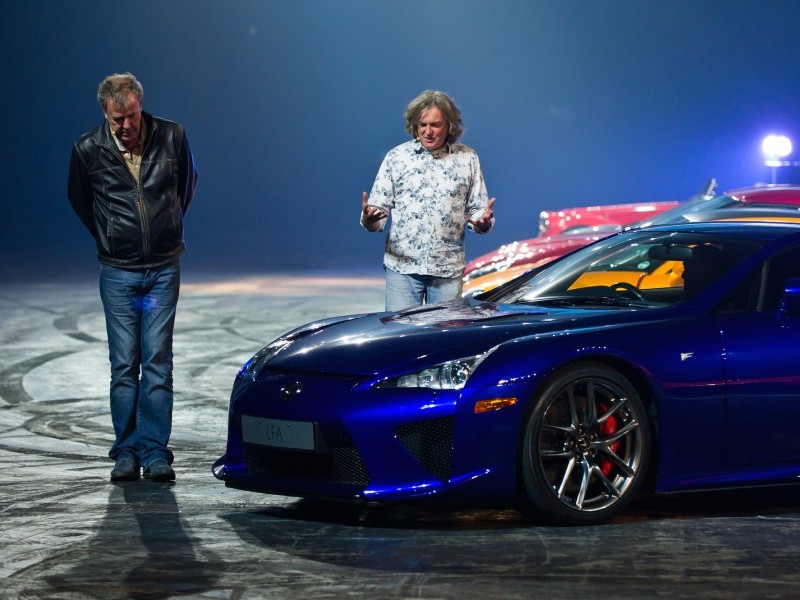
x=290, y=106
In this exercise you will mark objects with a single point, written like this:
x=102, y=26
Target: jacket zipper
x=139, y=201
x=143, y=217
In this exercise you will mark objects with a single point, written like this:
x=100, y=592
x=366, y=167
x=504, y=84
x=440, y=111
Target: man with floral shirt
x=433, y=188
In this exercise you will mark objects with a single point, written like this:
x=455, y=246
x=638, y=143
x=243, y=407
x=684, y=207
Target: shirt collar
x=120, y=146
x=446, y=149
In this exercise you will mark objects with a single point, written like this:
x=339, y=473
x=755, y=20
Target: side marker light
x=482, y=406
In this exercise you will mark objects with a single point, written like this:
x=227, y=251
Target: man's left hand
x=483, y=222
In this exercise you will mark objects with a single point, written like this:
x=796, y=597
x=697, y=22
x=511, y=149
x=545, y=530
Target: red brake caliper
x=609, y=427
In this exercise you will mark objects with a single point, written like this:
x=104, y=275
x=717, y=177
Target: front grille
x=430, y=443
x=340, y=465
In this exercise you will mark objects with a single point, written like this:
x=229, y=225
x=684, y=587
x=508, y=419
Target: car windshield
x=642, y=268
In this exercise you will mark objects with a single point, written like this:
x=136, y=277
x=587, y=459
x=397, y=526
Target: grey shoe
x=125, y=469
x=159, y=470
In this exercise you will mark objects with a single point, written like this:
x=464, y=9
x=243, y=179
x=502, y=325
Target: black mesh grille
x=430, y=443
x=340, y=465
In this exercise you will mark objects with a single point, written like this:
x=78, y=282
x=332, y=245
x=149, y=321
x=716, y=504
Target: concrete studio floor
x=67, y=532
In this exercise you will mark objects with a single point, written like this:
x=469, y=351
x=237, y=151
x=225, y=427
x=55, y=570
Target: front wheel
x=585, y=446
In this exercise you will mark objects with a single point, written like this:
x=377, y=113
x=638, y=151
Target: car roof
x=785, y=212
x=768, y=194
x=760, y=229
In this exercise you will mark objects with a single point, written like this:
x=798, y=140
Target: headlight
x=451, y=375
x=253, y=366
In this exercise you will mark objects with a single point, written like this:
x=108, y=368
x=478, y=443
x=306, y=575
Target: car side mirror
x=790, y=304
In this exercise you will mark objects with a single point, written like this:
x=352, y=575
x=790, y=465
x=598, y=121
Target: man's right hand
x=371, y=215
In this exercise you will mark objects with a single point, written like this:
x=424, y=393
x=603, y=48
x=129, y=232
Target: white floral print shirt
x=429, y=197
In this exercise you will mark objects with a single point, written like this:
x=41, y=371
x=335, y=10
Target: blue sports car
x=665, y=358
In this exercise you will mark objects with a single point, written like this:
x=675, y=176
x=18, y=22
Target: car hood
x=383, y=343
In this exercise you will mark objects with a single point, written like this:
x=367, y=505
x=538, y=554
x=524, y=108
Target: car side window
x=779, y=269
x=744, y=298
x=762, y=290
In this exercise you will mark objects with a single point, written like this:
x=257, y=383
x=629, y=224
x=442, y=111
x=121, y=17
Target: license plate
x=292, y=435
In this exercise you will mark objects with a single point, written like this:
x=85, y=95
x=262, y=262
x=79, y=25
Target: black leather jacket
x=135, y=227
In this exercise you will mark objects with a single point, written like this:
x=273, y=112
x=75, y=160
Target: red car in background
x=778, y=202
x=568, y=220
x=567, y=229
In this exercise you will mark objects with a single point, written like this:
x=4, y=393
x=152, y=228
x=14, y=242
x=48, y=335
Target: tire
x=585, y=446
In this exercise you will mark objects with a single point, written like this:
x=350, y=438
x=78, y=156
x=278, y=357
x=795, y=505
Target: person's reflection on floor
x=141, y=550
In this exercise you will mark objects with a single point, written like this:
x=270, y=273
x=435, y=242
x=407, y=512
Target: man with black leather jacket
x=131, y=181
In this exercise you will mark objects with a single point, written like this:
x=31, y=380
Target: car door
x=762, y=359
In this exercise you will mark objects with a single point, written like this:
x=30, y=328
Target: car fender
x=673, y=378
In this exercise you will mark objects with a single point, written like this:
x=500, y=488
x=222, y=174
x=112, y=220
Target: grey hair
x=116, y=88
x=430, y=99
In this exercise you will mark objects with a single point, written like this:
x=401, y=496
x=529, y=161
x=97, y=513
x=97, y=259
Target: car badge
x=291, y=390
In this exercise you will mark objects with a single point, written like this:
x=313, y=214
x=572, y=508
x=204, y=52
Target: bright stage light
x=775, y=147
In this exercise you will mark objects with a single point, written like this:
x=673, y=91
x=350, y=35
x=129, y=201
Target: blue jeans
x=140, y=315
x=405, y=291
